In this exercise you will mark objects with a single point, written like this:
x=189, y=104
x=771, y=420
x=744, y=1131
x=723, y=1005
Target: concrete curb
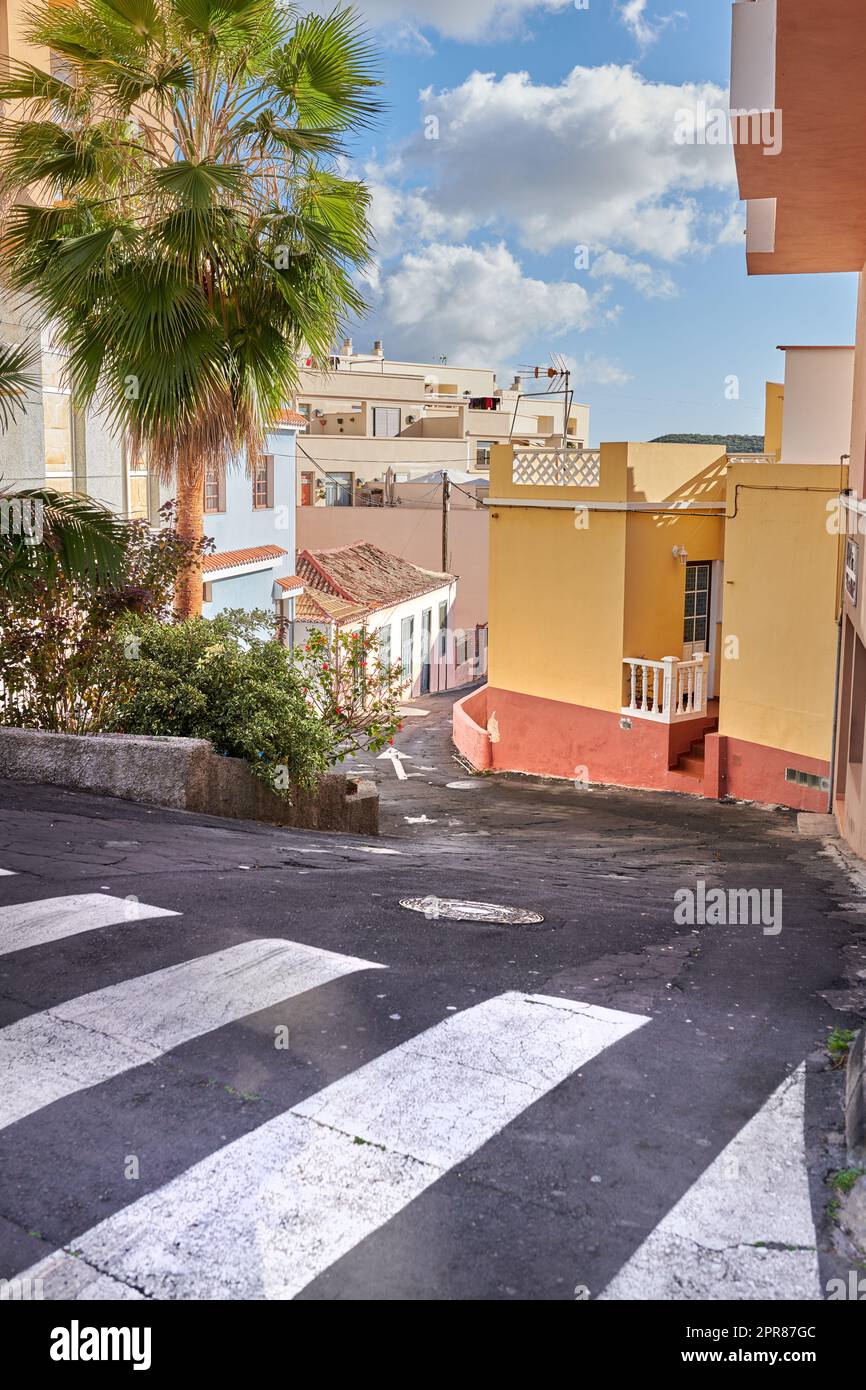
x=185, y=774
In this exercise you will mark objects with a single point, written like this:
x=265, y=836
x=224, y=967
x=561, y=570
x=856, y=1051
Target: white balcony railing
x=556, y=467
x=666, y=691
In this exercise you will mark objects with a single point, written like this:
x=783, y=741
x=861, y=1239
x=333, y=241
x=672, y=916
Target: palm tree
x=45, y=534
x=194, y=232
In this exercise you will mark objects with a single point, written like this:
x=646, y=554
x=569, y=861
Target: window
x=697, y=606
x=263, y=482
x=304, y=409
x=482, y=453
x=385, y=645
x=338, y=490
x=407, y=642
x=215, y=489
x=59, y=452
x=386, y=421
x=137, y=485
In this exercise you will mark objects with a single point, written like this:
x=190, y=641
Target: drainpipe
x=835, y=717
x=834, y=738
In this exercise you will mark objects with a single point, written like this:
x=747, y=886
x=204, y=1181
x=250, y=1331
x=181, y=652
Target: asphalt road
x=288, y=1085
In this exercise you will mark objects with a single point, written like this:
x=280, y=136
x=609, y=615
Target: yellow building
x=635, y=634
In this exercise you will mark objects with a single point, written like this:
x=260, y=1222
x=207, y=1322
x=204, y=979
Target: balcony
x=667, y=691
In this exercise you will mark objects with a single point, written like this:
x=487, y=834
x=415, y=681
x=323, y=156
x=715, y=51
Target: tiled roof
x=321, y=607
x=293, y=417
x=290, y=581
x=365, y=576
x=230, y=559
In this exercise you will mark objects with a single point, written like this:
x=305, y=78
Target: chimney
x=515, y=384
x=346, y=349
x=378, y=350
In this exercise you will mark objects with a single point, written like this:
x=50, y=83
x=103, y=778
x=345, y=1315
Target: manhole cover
x=458, y=910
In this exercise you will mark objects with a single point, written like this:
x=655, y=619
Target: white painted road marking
x=5, y=872
x=396, y=761
x=744, y=1230
x=89, y=1039
x=51, y=919
x=265, y=1215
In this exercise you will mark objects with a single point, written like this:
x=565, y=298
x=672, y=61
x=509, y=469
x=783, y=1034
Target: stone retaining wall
x=184, y=774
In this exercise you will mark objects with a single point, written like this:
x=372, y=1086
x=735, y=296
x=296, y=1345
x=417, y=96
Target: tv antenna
x=557, y=377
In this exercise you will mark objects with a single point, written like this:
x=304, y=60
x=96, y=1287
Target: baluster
x=632, y=685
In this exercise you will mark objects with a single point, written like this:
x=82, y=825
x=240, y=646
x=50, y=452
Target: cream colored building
x=50, y=442
x=368, y=414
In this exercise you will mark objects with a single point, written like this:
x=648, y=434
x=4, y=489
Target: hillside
x=734, y=443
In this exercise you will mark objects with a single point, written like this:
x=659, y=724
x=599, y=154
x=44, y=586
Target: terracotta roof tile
x=230, y=559
x=290, y=581
x=293, y=417
x=367, y=576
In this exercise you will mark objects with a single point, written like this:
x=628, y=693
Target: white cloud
x=591, y=370
x=732, y=229
x=592, y=160
x=475, y=304
x=456, y=19
x=648, y=280
x=634, y=16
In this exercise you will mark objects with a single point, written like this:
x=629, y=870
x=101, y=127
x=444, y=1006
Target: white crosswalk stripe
x=266, y=1214
x=744, y=1230
x=87, y=1040
x=52, y=919
x=7, y=873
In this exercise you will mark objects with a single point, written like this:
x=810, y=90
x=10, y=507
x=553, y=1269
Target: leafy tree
x=191, y=233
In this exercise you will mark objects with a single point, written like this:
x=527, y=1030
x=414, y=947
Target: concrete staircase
x=690, y=765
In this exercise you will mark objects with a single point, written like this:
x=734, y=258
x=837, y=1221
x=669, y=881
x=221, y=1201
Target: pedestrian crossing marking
x=266, y=1214
x=744, y=1230
x=10, y=873
x=51, y=919
x=89, y=1039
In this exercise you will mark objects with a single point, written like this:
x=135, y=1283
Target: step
x=692, y=764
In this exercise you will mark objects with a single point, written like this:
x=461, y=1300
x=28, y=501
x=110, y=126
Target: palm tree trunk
x=190, y=525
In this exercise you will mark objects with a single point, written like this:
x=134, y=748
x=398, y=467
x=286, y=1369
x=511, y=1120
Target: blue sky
x=553, y=131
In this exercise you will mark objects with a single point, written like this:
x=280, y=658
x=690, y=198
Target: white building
x=354, y=587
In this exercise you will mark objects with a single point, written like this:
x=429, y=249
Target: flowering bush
x=352, y=690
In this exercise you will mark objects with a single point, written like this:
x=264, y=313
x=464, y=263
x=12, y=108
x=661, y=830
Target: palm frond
x=17, y=378
x=47, y=533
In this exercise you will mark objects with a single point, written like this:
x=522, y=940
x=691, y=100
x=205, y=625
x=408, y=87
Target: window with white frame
x=57, y=419
x=482, y=453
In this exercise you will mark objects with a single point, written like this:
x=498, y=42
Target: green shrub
x=223, y=679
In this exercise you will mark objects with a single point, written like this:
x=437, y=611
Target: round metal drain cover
x=458, y=910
